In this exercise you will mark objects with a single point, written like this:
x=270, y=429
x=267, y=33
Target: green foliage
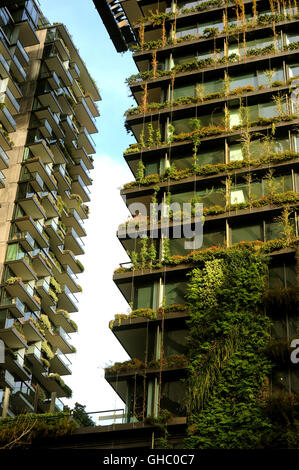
x=81, y=417
x=228, y=368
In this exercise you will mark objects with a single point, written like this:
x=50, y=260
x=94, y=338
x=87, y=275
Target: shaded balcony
x=21, y=399
x=46, y=114
x=20, y=262
x=17, y=70
x=49, y=206
x=59, y=339
x=61, y=364
x=81, y=170
x=25, y=239
x=18, y=50
x=73, y=242
x=63, y=180
x=54, y=232
x=55, y=64
x=7, y=98
x=32, y=207
x=79, y=187
x=15, y=363
x=4, y=160
x=13, y=305
x=72, y=219
x=41, y=150
x=16, y=288
x=48, y=100
x=35, y=165
x=7, y=120
x=84, y=140
x=85, y=117
x=58, y=151
x=67, y=301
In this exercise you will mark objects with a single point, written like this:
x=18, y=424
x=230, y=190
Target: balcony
x=68, y=278
x=25, y=240
x=7, y=98
x=24, y=292
x=7, y=120
x=58, y=152
x=5, y=142
x=92, y=106
x=26, y=27
x=49, y=206
x=61, y=340
x=84, y=140
x=35, y=165
x=4, y=67
x=34, y=355
x=6, y=379
x=72, y=202
x=41, y=265
x=61, y=318
x=48, y=100
x=65, y=101
x=42, y=287
x=2, y=180
x=31, y=332
x=64, y=182
x=5, y=17
x=22, y=267
x=4, y=160
x=17, y=70
x=58, y=406
x=74, y=70
x=19, y=51
x=73, y=242
x=67, y=301
x=53, y=231
x=80, y=154
x=52, y=119
x=15, y=363
x=41, y=150
x=69, y=129
x=13, y=305
x=34, y=228
x=12, y=338
x=81, y=170
x=32, y=207
x=46, y=129
x=85, y=117
x=78, y=187
x=55, y=65
x=22, y=398
x=60, y=364
x=73, y=220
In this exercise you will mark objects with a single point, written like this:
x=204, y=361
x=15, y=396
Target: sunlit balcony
x=2, y=180
x=59, y=339
x=25, y=240
x=67, y=301
x=20, y=265
x=46, y=129
x=58, y=152
x=61, y=318
x=48, y=100
x=27, y=34
x=17, y=70
x=31, y=332
x=81, y=170
x=92, y=106
x=34, y=356
x=60, y=364
x=12, y=338
x=72, y=219
x=35, y=165
x=65, y=102
x=24, y=292
x=41, y=149
x=72, y=202
x=4, y=160
x=5, y=141
x=78, y=187
x=54, y=232
x=85, y=117
x=55, y=64
x=4, y=67
x=74, y=70
x=64, y=183
x=84, y=140
x=53, y=120
x=34, y=228
x=73, y=242
x=7, y=120
x=49, y=206
x=32, y=207
x=41, y=265
x=19, y=51
x=68, y=278
x=81, y=154
x=7, y=98
x=13, y=305
x=69, y=129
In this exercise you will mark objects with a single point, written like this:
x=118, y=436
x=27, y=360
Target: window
x=145, y=296
x=183, y=91
x=267, y=79
x=247, y=233
x=175, y=293
x=182, y=162
x=242, y=81
x=212, y=157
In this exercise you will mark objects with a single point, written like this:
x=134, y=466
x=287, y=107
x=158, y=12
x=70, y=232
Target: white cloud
x=101, y=299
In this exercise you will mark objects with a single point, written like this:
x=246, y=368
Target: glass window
x=234, y=117
x=235, y=152
x=183, y=59
x=291, y=37
x=293, y=70
x=212, y=197
x=182, y=163
x=242, y=81
x=273, y=230
x=186, y=30
x=213, y=86
x=212, y=157
x=182, y=197
x=145, y=296
x=268, y=110
x=215, y=238
x=183, y=91
x=177, y=246
x=152, y=168
x=175, y=342
x=175, y=293
x=240, y=192
x=267, y=79
x=248, y=233
x=173, y=397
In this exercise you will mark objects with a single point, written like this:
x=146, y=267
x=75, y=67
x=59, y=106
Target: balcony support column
x=52, y=404
x=5, y=402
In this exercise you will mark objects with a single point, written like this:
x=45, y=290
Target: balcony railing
x=108, y=417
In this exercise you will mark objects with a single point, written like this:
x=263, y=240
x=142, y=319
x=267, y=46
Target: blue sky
x=101, y=300
x=106, y=66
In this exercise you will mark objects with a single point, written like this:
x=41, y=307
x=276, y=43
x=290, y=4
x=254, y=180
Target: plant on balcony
x=13, y=280
x=80, y=265
x=46, y=322
x=56, y=286
x=67, y=390
x=53, y=295
x=47, y=350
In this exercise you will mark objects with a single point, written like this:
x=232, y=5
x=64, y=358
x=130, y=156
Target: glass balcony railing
x=14, y=301
x=64, y=359
x=70, y=295
x=108, y=417
x=33, y=349
x=23, y=236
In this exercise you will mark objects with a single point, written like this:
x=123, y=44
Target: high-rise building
x=47, y=113
x=216, y=122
